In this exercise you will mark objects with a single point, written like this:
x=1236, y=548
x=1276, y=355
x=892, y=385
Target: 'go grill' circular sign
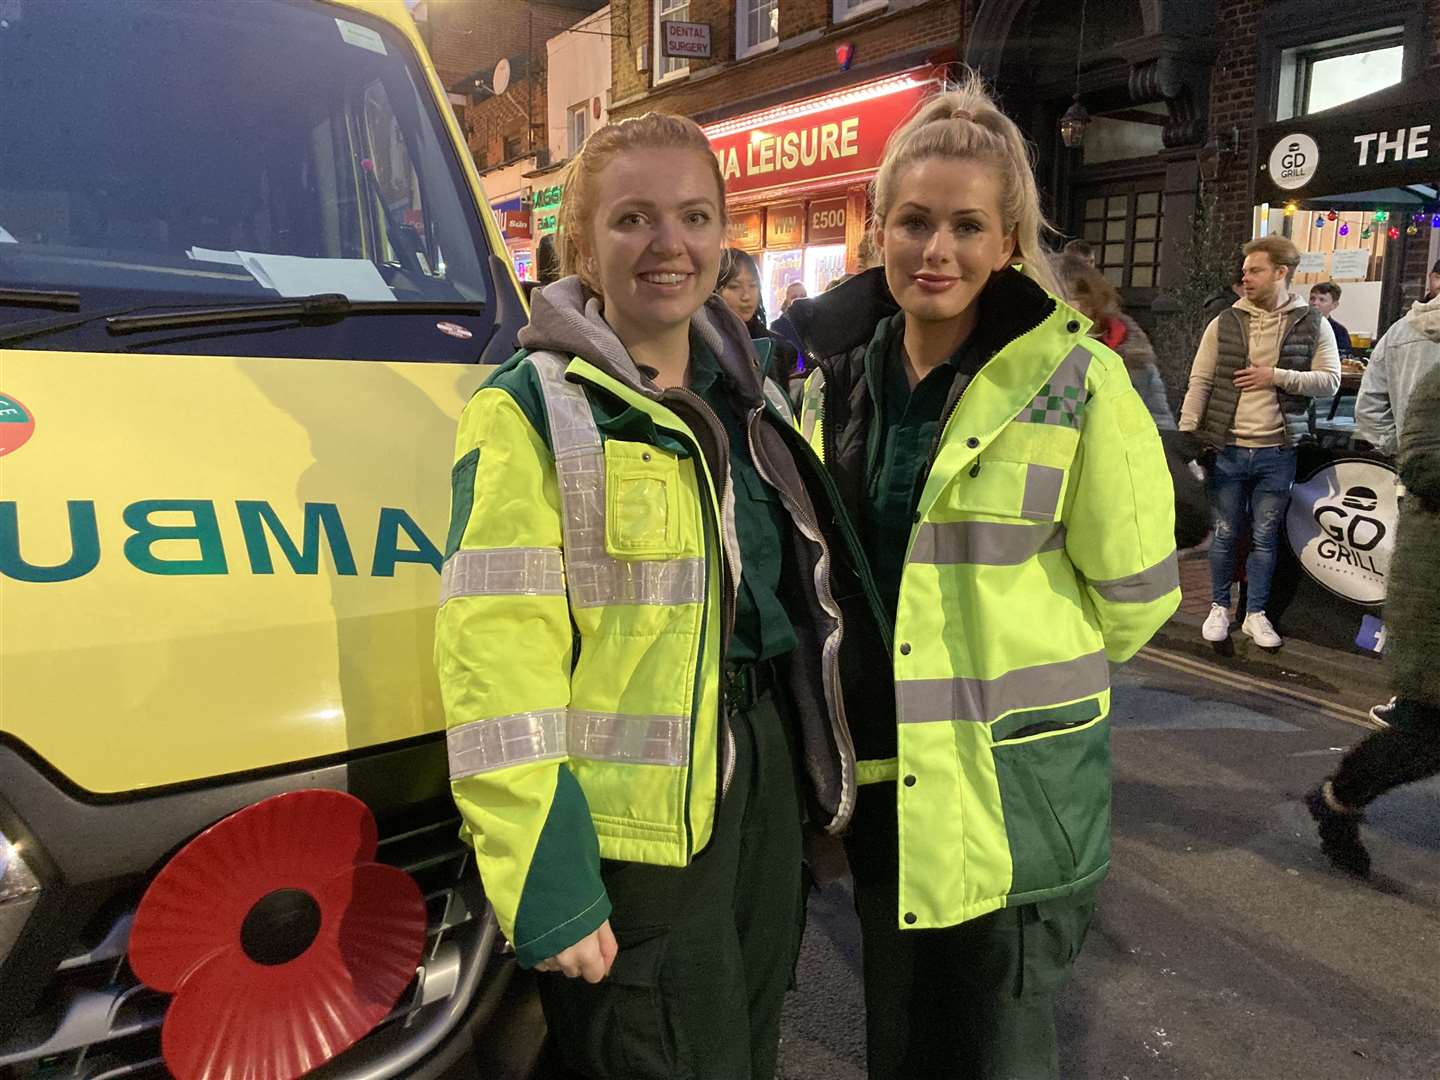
x=1293, y=161
x=1341, y=525
x=16, y=424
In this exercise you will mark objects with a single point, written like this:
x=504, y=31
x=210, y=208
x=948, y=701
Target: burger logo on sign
x=1293, y=161
x=1341, y=526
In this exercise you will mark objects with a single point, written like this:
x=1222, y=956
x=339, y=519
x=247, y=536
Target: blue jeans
x=1248, y=487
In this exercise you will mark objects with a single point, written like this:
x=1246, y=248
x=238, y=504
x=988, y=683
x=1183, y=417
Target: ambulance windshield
x=168, y=154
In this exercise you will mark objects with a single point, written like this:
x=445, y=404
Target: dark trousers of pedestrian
x=707, y=951
x=969, y=1002
x=1249, y=489
x=1404, y=753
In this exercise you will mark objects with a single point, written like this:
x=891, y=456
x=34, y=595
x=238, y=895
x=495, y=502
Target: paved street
x=1225, y=948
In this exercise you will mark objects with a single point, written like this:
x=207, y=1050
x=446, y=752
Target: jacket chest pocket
x=1013, y=489
x=642, y=501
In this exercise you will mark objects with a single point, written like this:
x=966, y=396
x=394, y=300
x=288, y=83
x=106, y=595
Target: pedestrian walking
x=739, y=287
x=1225, y=296
x=782, y=326
x=637, y=641
x=1079, y=249
x=1409, y=749
x=1006, y=478
x=1091, y=294
x=547, y=260
x=1258, y=364
x=1405, y=354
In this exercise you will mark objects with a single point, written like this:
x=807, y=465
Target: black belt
x=746, y=683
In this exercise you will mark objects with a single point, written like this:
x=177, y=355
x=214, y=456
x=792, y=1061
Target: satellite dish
x=501, y=80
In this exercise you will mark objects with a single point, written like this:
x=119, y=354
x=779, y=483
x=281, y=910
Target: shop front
x=514, y=218
x=1355, y=188
x=796, y=178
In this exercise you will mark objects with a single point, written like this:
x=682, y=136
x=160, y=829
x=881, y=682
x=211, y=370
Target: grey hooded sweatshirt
x=1407, y=352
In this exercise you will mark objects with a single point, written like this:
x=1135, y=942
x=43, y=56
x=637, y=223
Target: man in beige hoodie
x=1258, y=363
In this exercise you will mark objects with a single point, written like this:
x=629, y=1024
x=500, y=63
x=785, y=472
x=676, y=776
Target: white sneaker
x=1381, y=713
x=1258, y=627
x=1217, y=624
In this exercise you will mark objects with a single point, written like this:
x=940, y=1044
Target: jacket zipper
x=730, y=583
x=839, y=726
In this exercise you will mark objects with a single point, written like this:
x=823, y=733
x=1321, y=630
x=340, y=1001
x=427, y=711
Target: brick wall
x=1232, y=103
x=467, y=36
x=489, y=123
x=1417, y=265
x=1232, y=100
x=936, y=25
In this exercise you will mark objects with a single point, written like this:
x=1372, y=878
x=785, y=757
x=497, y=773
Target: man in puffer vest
x=1258, y=363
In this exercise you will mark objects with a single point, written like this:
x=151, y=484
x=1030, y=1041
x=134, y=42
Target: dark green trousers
x=707, y=951
x=969, y=1002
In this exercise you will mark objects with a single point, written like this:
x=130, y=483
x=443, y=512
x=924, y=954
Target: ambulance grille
x=95, y=1021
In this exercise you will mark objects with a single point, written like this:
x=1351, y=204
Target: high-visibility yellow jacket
x=587, y=595
x=1042, y=548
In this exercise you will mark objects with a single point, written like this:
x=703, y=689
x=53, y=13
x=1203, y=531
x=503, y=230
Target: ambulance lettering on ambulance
x=156, y=526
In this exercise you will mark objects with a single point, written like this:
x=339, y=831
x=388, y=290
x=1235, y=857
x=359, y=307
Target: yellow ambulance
x=248, y=279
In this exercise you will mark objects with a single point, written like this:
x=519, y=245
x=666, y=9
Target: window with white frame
x=1328, y=73
x=757, y=26
x=577, y=125
x=666, y=67
x=853, y=9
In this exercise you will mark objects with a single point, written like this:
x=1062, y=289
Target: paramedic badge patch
x=17, y=424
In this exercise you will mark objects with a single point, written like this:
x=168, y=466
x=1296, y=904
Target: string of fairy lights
x=1378, y=219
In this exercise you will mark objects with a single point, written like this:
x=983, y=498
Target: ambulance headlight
x=19, y=889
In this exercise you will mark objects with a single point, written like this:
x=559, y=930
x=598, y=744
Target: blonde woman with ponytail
x=1014, y=503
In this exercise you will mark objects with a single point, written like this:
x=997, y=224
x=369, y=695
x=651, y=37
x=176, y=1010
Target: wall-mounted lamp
x=1222, y=145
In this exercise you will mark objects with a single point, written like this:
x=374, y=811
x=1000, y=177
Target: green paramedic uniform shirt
x=762, y=628
x=904, y=430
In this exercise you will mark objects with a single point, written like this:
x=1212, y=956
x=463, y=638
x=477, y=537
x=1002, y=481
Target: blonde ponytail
x=965, y=124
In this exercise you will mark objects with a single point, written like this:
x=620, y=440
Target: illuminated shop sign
x=839, y=135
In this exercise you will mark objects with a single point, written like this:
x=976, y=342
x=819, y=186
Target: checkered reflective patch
x=1056, y=404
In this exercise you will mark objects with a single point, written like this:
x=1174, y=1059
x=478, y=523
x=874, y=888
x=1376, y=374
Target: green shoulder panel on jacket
x=522, y=383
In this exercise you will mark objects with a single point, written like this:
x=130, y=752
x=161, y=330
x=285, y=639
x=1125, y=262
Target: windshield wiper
x=319, y=306
x=329, y=305
x=60, y=300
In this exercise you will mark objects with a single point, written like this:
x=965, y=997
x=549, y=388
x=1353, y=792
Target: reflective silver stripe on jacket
x=1149, y=584
x=503, y=572
x=983, y=543
x=986, y=700
x=775, y=395
x=594, y=576
x=812, y=404
x=484, y=745
x=522, y=738
x=1041, y=501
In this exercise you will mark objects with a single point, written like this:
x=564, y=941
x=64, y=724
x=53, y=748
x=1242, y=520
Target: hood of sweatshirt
x=1251, y=308
x=1425, y=318
x=565, y=317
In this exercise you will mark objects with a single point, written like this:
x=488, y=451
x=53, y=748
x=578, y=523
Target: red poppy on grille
x=281, y=939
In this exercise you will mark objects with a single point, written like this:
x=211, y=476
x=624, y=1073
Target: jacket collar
x=836, y=322
x=566, y=318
